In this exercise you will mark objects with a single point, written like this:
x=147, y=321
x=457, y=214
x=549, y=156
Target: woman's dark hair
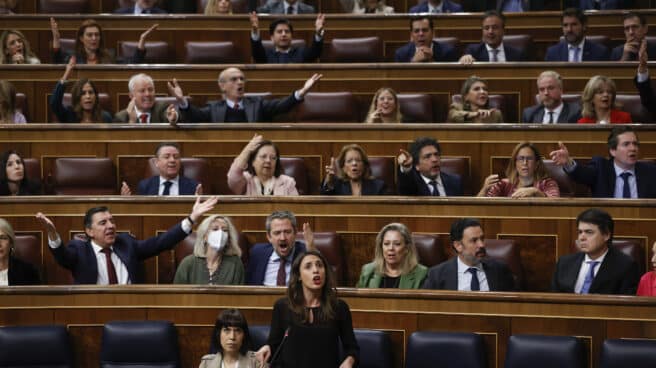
x=296, y=299
x=4, y=181
x=277, y=171
x=230, y=318
x=104, y=56
x=76, y=94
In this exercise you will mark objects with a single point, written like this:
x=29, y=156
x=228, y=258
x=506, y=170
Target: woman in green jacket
x=395, y=262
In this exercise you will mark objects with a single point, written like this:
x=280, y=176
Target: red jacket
x=616, y=117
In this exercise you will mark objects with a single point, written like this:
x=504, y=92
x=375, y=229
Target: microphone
x=277, y=352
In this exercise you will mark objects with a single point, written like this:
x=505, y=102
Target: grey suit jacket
x=157, y=114
x=570, y=115
x=278, y=7
x=257, y=109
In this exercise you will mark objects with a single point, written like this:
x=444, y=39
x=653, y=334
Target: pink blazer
x=243, y=182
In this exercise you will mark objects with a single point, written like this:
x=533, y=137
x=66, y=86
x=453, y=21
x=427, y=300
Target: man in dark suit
x=235, y=107
x=141, y=7
x=421, y=47
x=110, y=258
x=492, y=47
x=270, y=263
x=512, y=6
x=436, y=7
x=574, y=47
x=635, y=30
x=552, y=109
x=599, y=4
x=620, y=176
x=283, y=52
x=286, y=7
x=419, y=171
x=598, y=268
x=469, y=270
x=142, y=108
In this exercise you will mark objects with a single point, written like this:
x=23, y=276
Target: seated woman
x=15, y=49
x=384, y=108
x=217, y=257
x=85, y=105
x=475, y=106
x=526, y=176
x=395, y=262
x=13, y=179
x=312, y=319
x=257, y=171
x=598, y=103
x=8, y=113
x=647, y=285
x=90, y=45
x=218, y=7
x=354, y=174
x=230, y=340
x=13, y=271
x=366, y=7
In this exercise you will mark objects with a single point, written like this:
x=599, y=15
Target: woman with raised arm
x=354, y=177
x=475, y=106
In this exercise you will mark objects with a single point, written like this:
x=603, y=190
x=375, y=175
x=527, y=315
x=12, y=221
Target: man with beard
x=492, y=48
x=419, y=171
x=270, y=264
x=421, y=47
x=620, y=176
x=574, y=47
x=552, y=109
x=470, y=270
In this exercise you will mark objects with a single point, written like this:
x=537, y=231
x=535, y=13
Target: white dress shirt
x=585, y=267
x=501, y=55
x=465, y=277
x=556, y=114
x=175, y=186
x=619, y=182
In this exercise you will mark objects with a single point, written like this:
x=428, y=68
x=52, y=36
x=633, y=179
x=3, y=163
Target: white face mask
x=217, y=239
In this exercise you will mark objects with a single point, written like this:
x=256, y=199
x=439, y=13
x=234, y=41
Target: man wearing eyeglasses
x=236, y=107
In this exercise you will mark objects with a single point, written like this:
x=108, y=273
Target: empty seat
x=566, y=185
x=634, y=353
x=295, y=167
x=383, y=168
x=67, y=45
x=375, y=348
x=157, y=52
x=537, y=351
x=355, y=50
x=632, y=248
x=522, y=42
x=427, y=349
x=28, y=249
x=339, y=107
x=195, y=168
x=416, y=107
x=458, y=166
x=448, y=41
x=506, y=251
x=35, y=346
x=84, y=176
x=64, y=6
x=143, y=344
x=211, y=53
x=430, y=250
x=33, y=169
x=259, y=335
x=632, y=105
x=329, y=245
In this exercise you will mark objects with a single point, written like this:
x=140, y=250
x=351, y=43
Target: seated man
x=620, y=176
x=552, y=109
x=469, y=270
x=421, y=47
x=143, y=108
x=169, y=181
x=111, y=258
x=141, y=7
x=283, y=52
x=235, y=107
x=597, y=268
x=436, y=7
x=574, y=47
x=424, y=178
x=643, y=82
x=270, y=263
x=492, y=47
x=286, y=7
x=635, y=30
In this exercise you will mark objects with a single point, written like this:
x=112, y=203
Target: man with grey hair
x=143, y=108
x=270, y=263
x=551, y=109
x=235, y=106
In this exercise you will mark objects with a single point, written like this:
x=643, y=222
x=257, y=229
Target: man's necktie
x=283, y=57
x=111, y=271
x=475, y=285
x=143, y=118
x=237, y=107
x=626, y=190
x=589, y=277
x=167, y=188
x=577, y=51
x=281, y=279
x=290, y=10
x=433, y=185
x=495, y=53
x=551, y=113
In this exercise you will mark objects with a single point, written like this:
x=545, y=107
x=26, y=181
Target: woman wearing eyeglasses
x=354, y=177
x=526, y=177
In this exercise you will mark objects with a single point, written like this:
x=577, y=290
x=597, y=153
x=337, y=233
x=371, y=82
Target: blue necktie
x=626, y=190
x=290, y=10
x=167, y=188
x=475, y=285
x=495, y=55
x=589, y=276
x=577, y=50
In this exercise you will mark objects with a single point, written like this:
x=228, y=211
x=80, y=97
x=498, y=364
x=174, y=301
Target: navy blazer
x=405, y=53
x=343, y=187
x=257, y=109
x=444, y=276
x=295, y=54
x=79, y=258
x=22, y=273
x=130, y=10
x=278, y=7
x=604, y=4
x=618, y=274
x=592, y=51
x=150, y=186
x=449, y=7
x=647, y=96
x=570, y=114
x=599, y=175
x=479, y=52
x=259, y=258
x=527, y=5
x=412, y=184
x=618, y=51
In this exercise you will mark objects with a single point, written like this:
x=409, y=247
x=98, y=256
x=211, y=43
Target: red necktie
x=111, y=271
x=143, y=118
x=281, y=280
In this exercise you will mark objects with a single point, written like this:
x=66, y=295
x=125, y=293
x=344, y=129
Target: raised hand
x=404, y=159
x=142, y=39
x=175, y=90
x=132, y=111
x=125, y=189
x=319, y=24
x=489, y=182
x=48, y=226
x=18, y=58
x=643, y=57
x=255, y=22
x=200, y=208
x=253, y=143
x=309, y=83
x=330, y=170
x=199, y=190
x=54, y=28
x=560, y=156
x=69, y=68
x=308, y=236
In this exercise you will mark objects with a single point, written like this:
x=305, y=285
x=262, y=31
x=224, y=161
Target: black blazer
x=150, y=186
x=412, y=184
x=647, y=96
x=441, y=53
x=444, y=276
x=570, y=114
x=618, y=274
x=28, y=187
x=22, y=273
x=479, y=52
x=257, y=109
x=295, y=54
x=66, y=114
x=343, y=187
x=599, y=175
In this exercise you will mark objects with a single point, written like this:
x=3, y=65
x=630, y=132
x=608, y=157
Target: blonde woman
x=475, y=107
x=218, y=7
x=598, y=103
x=384, y=107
